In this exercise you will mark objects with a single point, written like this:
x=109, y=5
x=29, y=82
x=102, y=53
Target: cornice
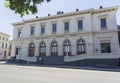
x=18, y=23
x=91, y=11
x=108, y=9
x=104, y=31
x=53, y=35
x=63, y=35
x=5, y=34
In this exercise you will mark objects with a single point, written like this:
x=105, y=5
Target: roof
x=5, y=34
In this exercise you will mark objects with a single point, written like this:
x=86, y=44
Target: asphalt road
x=32, y=74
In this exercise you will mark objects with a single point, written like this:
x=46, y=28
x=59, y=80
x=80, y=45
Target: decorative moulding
x=66, y=20
x=43, y=23
x=103, y=16
x=54, y=22
x=80, y=18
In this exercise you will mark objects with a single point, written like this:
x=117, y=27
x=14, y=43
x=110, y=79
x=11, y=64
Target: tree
x=23, y=7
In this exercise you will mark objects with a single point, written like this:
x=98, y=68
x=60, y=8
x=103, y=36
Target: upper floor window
x=66, y=27
x=43, y=29
x=19, y=33
x=3, y=38
x=5, y=45
x=54, y=28
x=6, y=39
x=32, y=31
x=103, y=23
x=80, y=25
x=2, y=45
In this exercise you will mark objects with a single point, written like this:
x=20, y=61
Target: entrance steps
x=91, y=56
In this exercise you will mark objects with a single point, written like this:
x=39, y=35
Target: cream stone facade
x=4, y=45
x=90, y=33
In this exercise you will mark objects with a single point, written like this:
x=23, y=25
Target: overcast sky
x=7, y=16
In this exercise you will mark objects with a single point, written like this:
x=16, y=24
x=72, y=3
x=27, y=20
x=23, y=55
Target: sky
x=7, y=16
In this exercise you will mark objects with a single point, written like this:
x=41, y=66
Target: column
x=36, y=49
x=48, y=48
x=73, y=47
x=60, y=48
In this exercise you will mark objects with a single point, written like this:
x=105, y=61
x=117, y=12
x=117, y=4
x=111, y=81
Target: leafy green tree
x=23, y=7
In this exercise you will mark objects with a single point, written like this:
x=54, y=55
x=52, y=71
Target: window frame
x=66, y=27
x=19, y=33
x=41, y=47
x=67, y=47
x=43, y=29
x=32, y=49
x=80, y=28
x=103, y=23
x=32, y=31
x=81, y=47
x=54, y=48
x=54, y=28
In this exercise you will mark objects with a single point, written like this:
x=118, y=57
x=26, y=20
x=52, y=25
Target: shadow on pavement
x=97, y=68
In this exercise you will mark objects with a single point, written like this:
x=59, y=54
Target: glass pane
x=103, y=23
x=66, y=26
x=32, y=31
x=80, y=24
x=19, y=33
x=54, y=28
x=105, y=48
x=43, y=29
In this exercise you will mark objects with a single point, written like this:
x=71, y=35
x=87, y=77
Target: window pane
x=105, y=48
x=32, y=31
x=43, y=29
x=54, y=29
x=66, y=26
x=81, y=46
x=2, y=45
x=19, y=33
x=80, y=24
x=103, y=23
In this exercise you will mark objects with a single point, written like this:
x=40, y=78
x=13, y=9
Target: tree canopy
x=24, y=7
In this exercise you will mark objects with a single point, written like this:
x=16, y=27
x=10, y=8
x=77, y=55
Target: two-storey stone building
x=77, y=35
x=4, y=45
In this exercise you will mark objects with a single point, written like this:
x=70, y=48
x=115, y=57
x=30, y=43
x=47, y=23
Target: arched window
x=42, y=49
x=54, y=48
x=67, y=48
x=81, y=47
x=31, y=49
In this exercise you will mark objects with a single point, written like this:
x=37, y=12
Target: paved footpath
x=32, y=74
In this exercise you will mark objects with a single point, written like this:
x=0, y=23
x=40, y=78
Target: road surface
x=33, y=74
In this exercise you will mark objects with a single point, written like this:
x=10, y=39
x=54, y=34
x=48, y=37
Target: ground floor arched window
x=42, y=49
x=67, y=48
x=31, y=49
x=54, y=48
x=81, y=47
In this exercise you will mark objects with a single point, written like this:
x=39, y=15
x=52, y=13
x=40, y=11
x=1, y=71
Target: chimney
x=77, y=9
x=48, y=14
x=36, y=16
x=58, y=12
x=62, y=12
x=101, y=7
